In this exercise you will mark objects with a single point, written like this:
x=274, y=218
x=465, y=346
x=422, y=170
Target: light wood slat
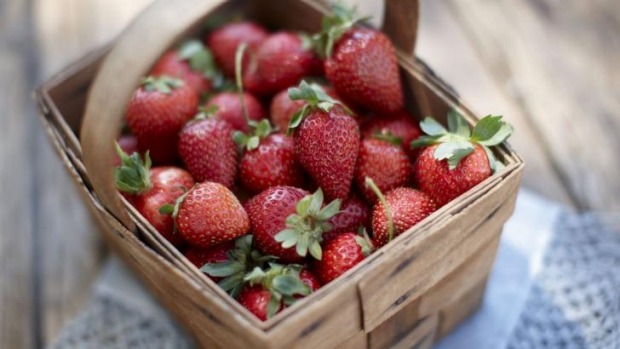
x=17, y=236
x=71, y=250
x=558, y=60
x=443, y=45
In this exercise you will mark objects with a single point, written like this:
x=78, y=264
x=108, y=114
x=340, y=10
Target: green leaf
x=316, y=251
x=255, y=276
x=493, y=163
x=290, y=285
x=431, y=127
x=491, y=130
x=286, y=235
x=424, y=141
x=454, y=152
x=302, y=245
x=163, y=84
x=273, y=306
x=232, y=284
x=316, y=203
x=253, y=143
x=297, y=119
x=303, y=205
x=166, y=209
x=457, y=124
x=222, y=269
x=330, y=210
x=133, y=176
x=240, y=138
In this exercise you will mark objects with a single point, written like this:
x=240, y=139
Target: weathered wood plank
x=558, y=61
x=17, y=239
x=71, y=250
x=443, y=45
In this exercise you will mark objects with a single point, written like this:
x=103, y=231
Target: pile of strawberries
x=272, y=203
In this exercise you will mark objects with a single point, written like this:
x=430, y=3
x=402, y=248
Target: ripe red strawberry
x=340, y=254
x=386, y=163
x=271, y=164
x=268, y=292
x=157, y=112
x=353, y=214
x=209, y=152
x=401, y=125
x=216, y=254
x=281, y=61
x=210, y=214
x=225, y=40
x=152, y=188
x=327, y=140
x=192, y=63
x=229, y=263
x=281, y=217
x=128, y=144
x=397, y=211
x=457, y=160
x=230, y=109
x=308, y=278
x=360, y=63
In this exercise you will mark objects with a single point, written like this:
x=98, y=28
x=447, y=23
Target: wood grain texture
x=448, y=51
x=18, y=259
x=69, y=248
x=558, y=61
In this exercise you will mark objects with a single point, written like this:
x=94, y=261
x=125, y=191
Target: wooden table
x=547, y=65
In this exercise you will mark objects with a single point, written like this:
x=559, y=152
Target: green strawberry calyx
x=305, y=229
x=201, y=60
x=241, y=261
x=458, y=141
x=173, y=209
x=133, y=176
x=251, y=140
x=364, y=241
x=388, y=137
x=282, y=282
x=387, y=209
x=333, y=28
x=205, y=113
x=315, y=97
x=162, y=84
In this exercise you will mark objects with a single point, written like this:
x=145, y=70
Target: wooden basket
x=408, y=294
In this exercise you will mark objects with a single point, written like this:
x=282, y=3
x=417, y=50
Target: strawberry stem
x=239, y=79
x=388, y=212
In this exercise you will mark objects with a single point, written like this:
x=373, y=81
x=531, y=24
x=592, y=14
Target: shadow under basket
x=408, y=294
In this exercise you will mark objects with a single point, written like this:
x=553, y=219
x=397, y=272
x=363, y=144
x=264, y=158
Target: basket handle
x=152, y=33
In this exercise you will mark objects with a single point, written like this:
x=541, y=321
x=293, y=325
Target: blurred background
x=549, y=66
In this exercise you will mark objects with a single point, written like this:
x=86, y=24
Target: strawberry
x=216, y=254
x=340, y=254
x=400, y=125
x=353, y=214
x=360, y=62
x=268, y=292
x=397, y=211
x=282, y=110
x=128, y=144
x=456, y=160
x=385, y=162
x=280, y=61
x=225, y=40
x=192, y=63
x=230, y=262
x=152, y=188
x=287, y=217
x=208, y=151
x=157, y=112
x=230, y=109
x=327, y=140
x=272, y=163
x=308, y=278
x=208, y=215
